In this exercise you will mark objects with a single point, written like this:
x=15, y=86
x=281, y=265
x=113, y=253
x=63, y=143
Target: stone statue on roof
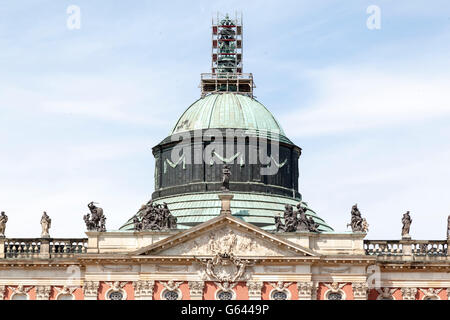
x=406, y=220
x=45, y=225
x=3, y=220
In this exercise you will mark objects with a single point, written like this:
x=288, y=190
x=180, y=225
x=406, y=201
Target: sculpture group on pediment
x=295, y=220
x=154, y=217
x=95, y=220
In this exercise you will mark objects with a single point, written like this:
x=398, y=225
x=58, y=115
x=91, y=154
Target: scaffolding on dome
x=226, y=59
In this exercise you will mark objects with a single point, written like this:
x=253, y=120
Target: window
x=19, y=296
x=279, y=295
x=116, y=295
x=65, y=297
x=171, y=295
x=431, y=298
x=225, y=295
x=334, y=296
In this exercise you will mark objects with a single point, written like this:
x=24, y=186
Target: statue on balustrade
x=406, y=220
x=358, y=223
x=154, y=217
x=46, y=223
x=295, y=220
x=95, y=220
x=3, y=221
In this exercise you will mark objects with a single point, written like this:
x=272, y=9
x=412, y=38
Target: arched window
x=65, y=296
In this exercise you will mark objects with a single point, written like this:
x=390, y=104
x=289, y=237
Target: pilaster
x=307, y=290
x=43, y=292
x=143, y=289
x=254, y=290
x=90, y=290
x=409, y=293
x=360, y=290
x=196, y=289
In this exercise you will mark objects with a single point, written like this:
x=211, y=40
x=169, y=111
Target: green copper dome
x=227, y=110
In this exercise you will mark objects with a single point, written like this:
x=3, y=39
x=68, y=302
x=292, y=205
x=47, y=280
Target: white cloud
x=353, y=99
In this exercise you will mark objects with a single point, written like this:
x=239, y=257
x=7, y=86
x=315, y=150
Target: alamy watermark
x=74, y=18
x=374, y=20
x=234, y=146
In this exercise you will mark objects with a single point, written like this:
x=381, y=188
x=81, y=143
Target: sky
x=80, y=109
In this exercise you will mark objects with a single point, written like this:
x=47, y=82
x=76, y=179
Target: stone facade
x=225, y=254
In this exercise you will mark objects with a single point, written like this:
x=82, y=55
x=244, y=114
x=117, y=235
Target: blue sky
x=81, y=109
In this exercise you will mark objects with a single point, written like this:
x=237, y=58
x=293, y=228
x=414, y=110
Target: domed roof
x=227, y=110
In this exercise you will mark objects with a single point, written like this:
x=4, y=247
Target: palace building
x=226, y=221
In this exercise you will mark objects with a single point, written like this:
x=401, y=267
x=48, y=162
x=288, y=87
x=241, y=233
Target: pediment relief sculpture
x=226, y=241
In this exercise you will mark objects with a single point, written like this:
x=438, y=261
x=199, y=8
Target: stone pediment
x=225, y=235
